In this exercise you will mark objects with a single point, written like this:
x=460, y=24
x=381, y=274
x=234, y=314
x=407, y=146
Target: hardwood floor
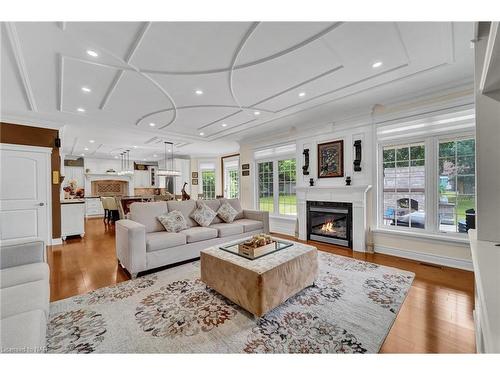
x=436, y=316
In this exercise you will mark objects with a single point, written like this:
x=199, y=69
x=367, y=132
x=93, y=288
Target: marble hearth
x=356, y=195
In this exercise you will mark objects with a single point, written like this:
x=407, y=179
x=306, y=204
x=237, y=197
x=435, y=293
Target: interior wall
x=487, y=153
x=33, y=136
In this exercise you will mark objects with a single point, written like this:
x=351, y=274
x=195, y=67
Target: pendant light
x=126, y=170
x=166, y=170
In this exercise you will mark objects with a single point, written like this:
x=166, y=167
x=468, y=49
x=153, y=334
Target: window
x=457, y=184
x=404, y=185
x=208, y=182
x=276, y=182
x=265, y=188
x=429, y=185
x=287, y=182
x=233, y=190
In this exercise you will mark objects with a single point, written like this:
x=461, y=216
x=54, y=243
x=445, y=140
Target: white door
x=24, y=196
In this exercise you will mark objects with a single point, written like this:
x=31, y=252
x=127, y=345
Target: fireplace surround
x=330, y=222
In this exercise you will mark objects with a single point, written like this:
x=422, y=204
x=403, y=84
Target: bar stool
x=112, y=209
x=104, y=201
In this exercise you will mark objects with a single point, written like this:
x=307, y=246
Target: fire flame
x=328, y=227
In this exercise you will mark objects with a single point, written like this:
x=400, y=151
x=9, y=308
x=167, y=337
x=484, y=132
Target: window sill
x=423, y=235
x=283, y=217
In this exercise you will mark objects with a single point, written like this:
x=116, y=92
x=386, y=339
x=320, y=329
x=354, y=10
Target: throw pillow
x=227, y=213
x=203, y=215
x=173, y=221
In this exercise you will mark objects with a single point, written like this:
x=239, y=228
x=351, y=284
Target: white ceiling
x=148, y=72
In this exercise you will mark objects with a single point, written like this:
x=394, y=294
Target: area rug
x=350, y=310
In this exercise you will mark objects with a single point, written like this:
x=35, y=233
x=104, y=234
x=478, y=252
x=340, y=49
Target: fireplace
x=330, y=222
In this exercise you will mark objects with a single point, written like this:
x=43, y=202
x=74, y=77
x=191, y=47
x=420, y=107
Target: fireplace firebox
x=330, y=222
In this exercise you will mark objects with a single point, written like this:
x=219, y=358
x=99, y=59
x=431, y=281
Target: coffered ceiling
x=205, y=85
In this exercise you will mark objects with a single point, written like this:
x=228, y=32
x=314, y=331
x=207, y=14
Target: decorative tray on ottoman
x=256, y=247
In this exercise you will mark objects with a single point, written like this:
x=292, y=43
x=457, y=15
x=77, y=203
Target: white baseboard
x=441, y=260
x=56, y=241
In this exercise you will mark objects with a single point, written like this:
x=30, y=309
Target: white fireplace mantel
x=356, y=195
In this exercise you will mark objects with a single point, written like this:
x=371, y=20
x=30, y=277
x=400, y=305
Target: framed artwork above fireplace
x=331, y=159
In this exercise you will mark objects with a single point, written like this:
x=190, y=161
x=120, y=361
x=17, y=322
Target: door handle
x=41, y=204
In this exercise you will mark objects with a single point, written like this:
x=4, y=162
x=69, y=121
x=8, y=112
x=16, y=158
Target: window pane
x=457, y=186
x=447, y=149
x=265, y=182
x=287, y=182
x=404, y=186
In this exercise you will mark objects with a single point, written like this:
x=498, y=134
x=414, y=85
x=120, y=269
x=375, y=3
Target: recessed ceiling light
x=377, y=64
x=116, y=156
x=169, y=150
x=143, y=159
x=155, y=155
x=91, y=141
x=80, y=110
x=202, y=133
x=92, y=53
x=256, y=113
x=86, y=89
x=86, y=148
x=302, y=94
x=82, y=154
x=135, y=146
x=198, y=92
x=152, y=124
x=224, y=125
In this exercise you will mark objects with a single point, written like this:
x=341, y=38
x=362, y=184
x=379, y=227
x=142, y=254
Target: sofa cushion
x=24, y=274
x=226, y=229
x=174, y=221
x=203, y=214
x=198, y=234
x=249, y=225
x=235, y=203
x=186, y=207
x=227, y=213
x=214, y=204
x=21, y=298
x=164, y=240
x=24, y=331
x=146, y=213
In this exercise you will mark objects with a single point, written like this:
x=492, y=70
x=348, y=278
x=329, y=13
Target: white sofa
x=24, y=296
x=142, y=243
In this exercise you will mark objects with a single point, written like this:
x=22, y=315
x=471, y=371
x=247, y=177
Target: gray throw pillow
x=173, y=221
x=203, y=215
x=227, y=213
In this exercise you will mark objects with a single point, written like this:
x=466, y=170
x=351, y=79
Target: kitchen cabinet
x=93, y=207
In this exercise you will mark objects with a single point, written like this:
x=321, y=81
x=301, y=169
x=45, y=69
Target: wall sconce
x=357, y=156
x=305, y=167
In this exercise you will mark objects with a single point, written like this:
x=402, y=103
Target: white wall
x=487, y=156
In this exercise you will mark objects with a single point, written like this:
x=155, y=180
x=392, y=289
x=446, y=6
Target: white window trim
x=431, y=191
x=274, y=160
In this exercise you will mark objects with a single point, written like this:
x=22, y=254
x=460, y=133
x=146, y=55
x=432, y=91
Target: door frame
x=47, y=151
x=223, y=172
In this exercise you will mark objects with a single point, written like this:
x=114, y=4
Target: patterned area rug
x=350, y=310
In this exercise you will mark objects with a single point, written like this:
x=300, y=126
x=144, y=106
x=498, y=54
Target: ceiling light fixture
x=302, y=94
x=86, y=89
x=198, y=92
x=82, y=154
x=155, y=155
x=202, y=134
x=377, y=64
x=135, y=146
x=92, y=53
x=91, y=141
x=125, y=161
x=152, y=124
x=116, y=156
x=166, y=171
x=86, y=148
x=80, y=110
x=224, y=125
x=256, y=113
